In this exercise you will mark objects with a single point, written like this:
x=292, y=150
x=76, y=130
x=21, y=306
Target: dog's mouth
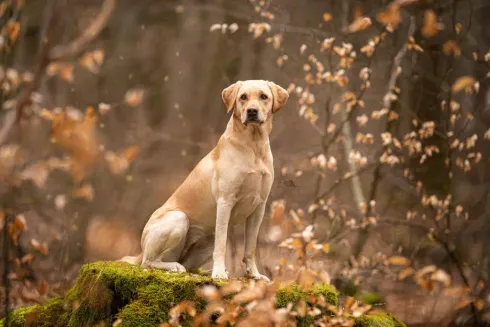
x=253, y=121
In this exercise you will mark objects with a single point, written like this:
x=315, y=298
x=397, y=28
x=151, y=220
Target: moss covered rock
x=108, y=291
x=379, y=320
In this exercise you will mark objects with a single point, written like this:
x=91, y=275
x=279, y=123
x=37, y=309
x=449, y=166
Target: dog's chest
x=254, y=190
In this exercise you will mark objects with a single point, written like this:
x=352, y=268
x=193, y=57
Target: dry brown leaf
x=463, y=83
x=43, y=287
x=349, y=302
x=359, y=24
x=79, y=139
x=134, y=97
x=86, y=191
x=53, y=68
x=28, y=258
x=431, y=27
x=209, y=293
x=326, y=247
x=426, y=284
x=463, y=303
x=13, y=29
x=424, y=271
x=391, y=16
x=38, y=173
x=458, y=27
x=442, y=277
x=327, y=17
x=131, y=152
x=248, y=295
x=66, y=73
x=405, y=273
x=104, y=108
x=92, y=60
x=41, y=247
x=20, y=223
x=46, y=114
x=451, y=47
x=399, y=261
x=479, y=304
x=13, y=276
x=297, y=243
x=232, y=287
x=120, y=162
x=480, y=285
x=281, y=60
x=278, y=212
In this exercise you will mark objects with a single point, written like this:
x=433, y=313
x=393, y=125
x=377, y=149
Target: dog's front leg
x=251, y=234
x=219, y=253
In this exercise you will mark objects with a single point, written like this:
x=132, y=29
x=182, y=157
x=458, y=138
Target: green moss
x=106, y=291
x=52, y=313
x=378, y=320
x=17, y=317
x=140, y=297
x=371, y=298
x=293, y=293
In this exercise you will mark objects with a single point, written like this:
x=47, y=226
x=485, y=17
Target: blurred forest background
x=381, y=153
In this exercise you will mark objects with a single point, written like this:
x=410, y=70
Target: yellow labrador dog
x=228, y=186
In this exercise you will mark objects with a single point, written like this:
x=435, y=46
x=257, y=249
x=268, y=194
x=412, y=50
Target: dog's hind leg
x=165, y=241
x=199, y=253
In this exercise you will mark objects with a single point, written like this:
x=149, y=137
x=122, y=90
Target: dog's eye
x=264, y=97
x=243, y=97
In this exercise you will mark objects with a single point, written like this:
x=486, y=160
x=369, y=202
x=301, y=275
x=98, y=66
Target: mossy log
x=107, y=291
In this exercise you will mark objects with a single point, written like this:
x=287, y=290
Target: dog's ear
x=280, y=96
x=229, y=95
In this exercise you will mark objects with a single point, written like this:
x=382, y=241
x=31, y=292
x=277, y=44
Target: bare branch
x=407, y=223
x=397, y=62
x=8, y=124
x=88, y=35
x=347, y=132
x=346, y=177
x=359, y=197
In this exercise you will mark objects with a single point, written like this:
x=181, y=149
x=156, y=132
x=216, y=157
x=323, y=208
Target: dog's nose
x=252, y=112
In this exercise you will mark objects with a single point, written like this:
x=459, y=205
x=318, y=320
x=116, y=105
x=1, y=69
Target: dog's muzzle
x=253, y=116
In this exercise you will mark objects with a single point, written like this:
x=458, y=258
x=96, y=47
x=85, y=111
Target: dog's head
x=254, y=101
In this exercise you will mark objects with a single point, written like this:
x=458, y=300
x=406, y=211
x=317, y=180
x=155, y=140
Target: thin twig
x=89, y=34
x=346, y=177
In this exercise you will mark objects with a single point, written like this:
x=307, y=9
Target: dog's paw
x=261, y=277
x=220, y=274
x=177, y=267
x=256, y=276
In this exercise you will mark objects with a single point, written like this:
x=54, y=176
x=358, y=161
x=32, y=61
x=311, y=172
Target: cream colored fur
x=228, y=186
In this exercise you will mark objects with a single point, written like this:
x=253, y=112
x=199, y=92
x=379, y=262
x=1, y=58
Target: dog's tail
x=133, y=260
